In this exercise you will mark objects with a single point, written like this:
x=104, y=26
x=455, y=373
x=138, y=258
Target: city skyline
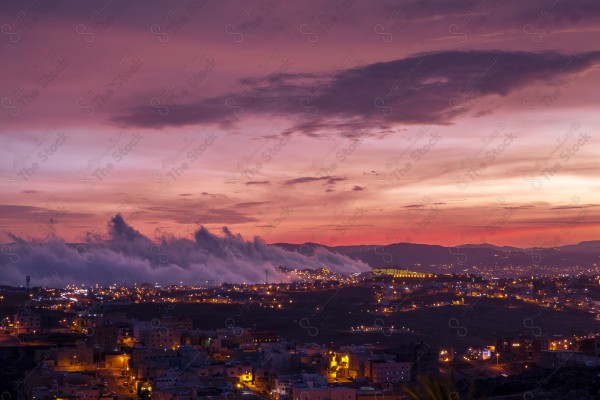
x=315, y=200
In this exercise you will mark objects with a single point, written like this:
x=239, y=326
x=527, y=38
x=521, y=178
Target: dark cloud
x=127, y=257
x=357, y=188
x=305, y=179
x=210, y=211
x=334, y=180
x=258, y=183
x=121, y=232
x=330, y=180
x=574, y=207
x=8, y=209
x=252, y=204
x=210, y=111
x=212, y=216
x=341, y=225
x=523, y=207
x=36, y=214
x=424, y=88
x=213, y=195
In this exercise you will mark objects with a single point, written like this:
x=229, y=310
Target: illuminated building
x=381, y=371
x=521, y=348
x=27, y=323
x=74, y=358
x=400, y=273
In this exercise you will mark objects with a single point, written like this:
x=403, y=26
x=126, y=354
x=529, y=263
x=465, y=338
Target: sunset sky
x=338, y=122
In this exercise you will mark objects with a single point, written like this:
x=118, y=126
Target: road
x=482, y=369
x=116, y=385
x=8, y=340
x=257, y=393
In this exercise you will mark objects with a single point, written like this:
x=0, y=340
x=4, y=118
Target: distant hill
x=483, y=258
x=592, y=247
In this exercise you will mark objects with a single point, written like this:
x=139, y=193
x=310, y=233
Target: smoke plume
x=127, y=257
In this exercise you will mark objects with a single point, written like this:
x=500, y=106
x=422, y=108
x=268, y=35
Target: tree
x=430, y=387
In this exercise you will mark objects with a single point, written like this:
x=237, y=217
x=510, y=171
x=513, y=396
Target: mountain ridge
x=579, y=258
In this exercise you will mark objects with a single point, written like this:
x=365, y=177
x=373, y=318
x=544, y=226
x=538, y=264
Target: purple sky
x=337, y=122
